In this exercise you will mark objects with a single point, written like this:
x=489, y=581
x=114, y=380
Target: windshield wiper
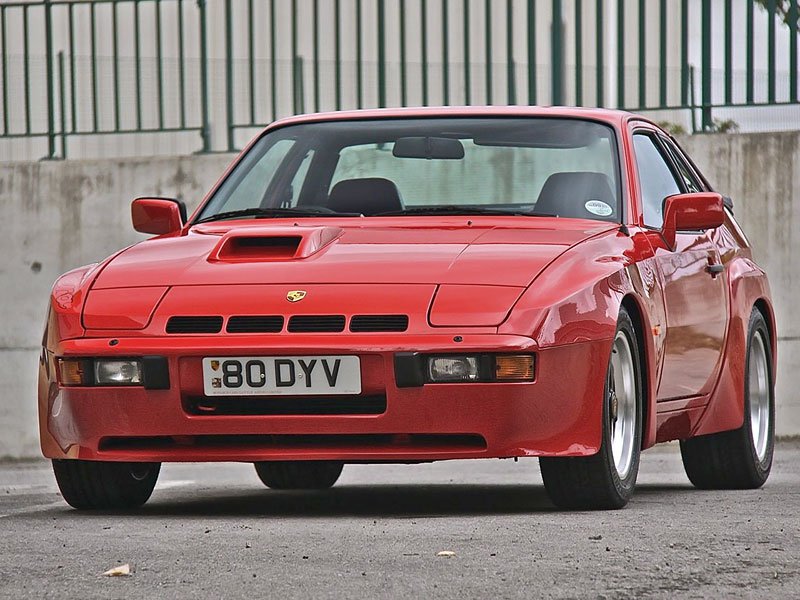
x=263, y=213
x=455, y=209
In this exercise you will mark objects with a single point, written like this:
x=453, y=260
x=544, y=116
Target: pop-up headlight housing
x=150, y=372
x=414, y=369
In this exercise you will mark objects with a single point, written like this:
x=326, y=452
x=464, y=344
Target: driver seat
x=368, y=196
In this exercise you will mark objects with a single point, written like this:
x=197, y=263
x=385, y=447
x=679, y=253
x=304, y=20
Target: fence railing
x=221, y=68
x=104, y=69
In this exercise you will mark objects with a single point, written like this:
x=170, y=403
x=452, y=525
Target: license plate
x=281, y=375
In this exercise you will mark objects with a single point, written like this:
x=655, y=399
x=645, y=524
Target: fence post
x=511, y=94
x=794, y=8
x=382, y=54
x=706, y=121
x=205, y=131
x=531, y=33
x=229, y=72
x=62, y=104
x=48, y=27
x=691, y=98
x=298, y=93
x=557, y=54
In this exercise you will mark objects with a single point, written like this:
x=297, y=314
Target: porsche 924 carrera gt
x=418, y=285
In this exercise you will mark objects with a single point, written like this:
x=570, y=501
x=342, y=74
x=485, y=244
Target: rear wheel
x=299, y=475
x=89, y=485
x=607, y=479
x=740, y=459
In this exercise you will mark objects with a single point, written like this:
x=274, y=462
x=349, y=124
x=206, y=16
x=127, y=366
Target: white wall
x=59, y=215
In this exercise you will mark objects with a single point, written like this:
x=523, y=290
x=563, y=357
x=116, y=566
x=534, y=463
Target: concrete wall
x=761, y=172
x=56, y=216
x=59, y=215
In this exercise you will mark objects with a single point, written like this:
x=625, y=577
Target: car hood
x=502, y=251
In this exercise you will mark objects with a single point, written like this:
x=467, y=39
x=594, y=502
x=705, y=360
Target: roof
x=610, y=116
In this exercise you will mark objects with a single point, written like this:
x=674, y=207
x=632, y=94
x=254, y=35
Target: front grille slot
x=255, y=324
x=297, y=324
x=297, y=405
x=305, y=443
x=194, y=325
x=366, y=323
x=316, y=323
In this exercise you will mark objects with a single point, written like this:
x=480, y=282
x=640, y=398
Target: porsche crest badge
x=295, y=295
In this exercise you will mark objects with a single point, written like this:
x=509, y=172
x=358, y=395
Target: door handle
x=715, y=269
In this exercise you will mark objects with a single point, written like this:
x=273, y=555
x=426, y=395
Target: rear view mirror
x=428, y=148
x=158, y=216
x=691, y=212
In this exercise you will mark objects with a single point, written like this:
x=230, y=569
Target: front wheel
x=88, y=485
x=740, y=459
x=607, y=479
x=299, y=475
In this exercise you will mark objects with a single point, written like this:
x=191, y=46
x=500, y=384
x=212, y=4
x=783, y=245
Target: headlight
x=453, y=368
x=117, y=372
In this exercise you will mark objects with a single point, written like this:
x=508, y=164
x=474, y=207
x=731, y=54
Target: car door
x=695, y=291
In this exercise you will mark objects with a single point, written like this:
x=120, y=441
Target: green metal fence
x=96, y=67
x=95, y=77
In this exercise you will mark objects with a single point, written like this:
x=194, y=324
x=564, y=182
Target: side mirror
x=158, y=216
x=691, y=212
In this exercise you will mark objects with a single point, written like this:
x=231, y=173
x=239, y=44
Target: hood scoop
x=255, y=244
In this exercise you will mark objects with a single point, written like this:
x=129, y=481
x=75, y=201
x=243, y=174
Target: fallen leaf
x=120, y=571
x=446, y=553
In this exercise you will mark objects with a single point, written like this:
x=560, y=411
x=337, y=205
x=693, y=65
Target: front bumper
x=558, y=414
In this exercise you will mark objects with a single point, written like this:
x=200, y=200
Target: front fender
x=578, y=299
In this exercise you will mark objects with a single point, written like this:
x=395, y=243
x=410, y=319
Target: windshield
x=525, y=166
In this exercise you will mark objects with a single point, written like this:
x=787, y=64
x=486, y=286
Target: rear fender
x=748, y=285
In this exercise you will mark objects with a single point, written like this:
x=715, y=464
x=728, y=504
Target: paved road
x=213, y=531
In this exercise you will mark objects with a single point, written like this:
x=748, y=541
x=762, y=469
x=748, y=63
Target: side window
x=655, y=179
x=689, y=179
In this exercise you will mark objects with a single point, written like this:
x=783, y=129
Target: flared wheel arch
x=647, y=351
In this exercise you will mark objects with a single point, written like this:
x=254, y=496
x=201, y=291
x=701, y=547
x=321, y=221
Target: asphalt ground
x=213, y=531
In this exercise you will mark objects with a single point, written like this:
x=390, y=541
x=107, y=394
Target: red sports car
x=416, y=285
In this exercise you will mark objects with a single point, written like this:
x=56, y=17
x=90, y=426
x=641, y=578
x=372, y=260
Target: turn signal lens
x=74, y=371
x=517, y=367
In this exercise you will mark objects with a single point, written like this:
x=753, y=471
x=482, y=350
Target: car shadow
x=397, y=501
x=373, y=501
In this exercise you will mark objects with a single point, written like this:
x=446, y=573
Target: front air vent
x=365, y=323
x=247, y=248
x=316, y=323
x=255, y=324
x=194, y=325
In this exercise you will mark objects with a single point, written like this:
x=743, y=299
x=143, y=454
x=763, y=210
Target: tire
x=93, y=485
x=299, y=475
x=742, y=458
x=606, y=480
